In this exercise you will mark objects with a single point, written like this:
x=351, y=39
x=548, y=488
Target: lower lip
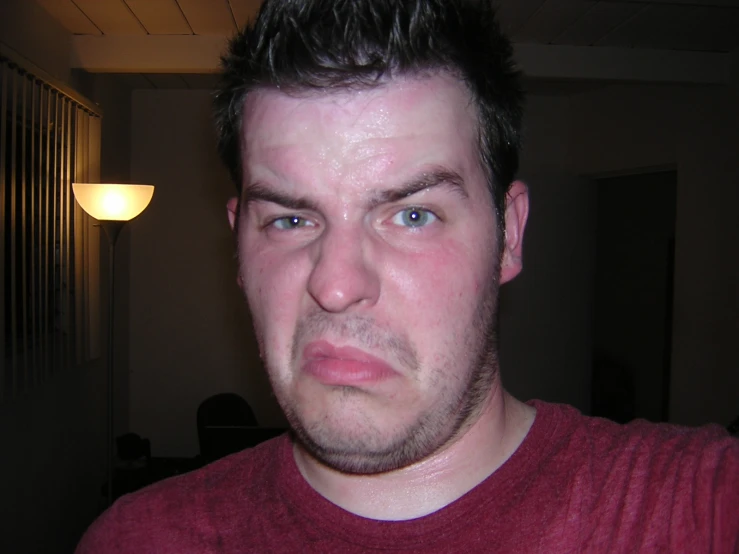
x=345, y=370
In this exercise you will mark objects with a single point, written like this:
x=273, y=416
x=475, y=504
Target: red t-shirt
x=576, y=484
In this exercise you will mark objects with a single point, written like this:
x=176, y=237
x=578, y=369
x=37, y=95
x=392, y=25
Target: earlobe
x=233, y=208
x=516, y=214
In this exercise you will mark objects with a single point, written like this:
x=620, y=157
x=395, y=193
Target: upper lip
x=322, y=349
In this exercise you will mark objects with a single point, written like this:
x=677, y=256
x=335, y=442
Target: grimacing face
x=367, y=253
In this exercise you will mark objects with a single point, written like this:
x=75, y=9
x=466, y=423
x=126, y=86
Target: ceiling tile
x=551, y=19
x=70, y=16
x=600, y=20
x=244, y=10
x=655, y=24
x=666, y=27
x=693, y=3
x=112, y=17
x=715, y=29
x=209, y=17
x=513, y=14
x=160, y=17
x=554, y=87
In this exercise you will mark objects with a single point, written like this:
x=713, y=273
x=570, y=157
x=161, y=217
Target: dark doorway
x=633, y=296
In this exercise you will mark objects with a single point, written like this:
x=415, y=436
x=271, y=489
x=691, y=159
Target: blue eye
x=291, y=222
x=414, y=217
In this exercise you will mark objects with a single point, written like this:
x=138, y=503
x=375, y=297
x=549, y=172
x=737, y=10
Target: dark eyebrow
x=421, y=182
x=254, y=192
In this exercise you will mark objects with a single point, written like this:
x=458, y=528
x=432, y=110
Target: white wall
x=114, y=97
x=695, y=130
x=705, y=355
x=633, y=256
x=190, y=336
x=30, y=31
x=549, y=304
x=546, y=312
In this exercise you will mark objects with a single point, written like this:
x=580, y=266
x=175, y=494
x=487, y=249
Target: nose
x=343, y=275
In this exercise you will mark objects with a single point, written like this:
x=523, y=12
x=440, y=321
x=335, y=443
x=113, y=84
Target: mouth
x=343, y=365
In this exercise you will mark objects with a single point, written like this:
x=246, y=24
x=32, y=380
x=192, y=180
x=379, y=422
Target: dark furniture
x=226, y=424
x=128, y=479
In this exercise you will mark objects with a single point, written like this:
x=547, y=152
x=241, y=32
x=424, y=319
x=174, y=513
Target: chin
x=365, y=451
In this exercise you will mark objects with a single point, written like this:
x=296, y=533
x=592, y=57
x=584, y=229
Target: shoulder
x=660, y=482
x=659, y=442
x=186, y=503
x=595, y=453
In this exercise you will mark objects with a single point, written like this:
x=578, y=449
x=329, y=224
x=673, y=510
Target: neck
x=432, y=483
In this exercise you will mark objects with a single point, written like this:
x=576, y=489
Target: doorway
x=632, y=341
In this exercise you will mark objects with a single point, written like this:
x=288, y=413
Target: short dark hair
x=299, y=45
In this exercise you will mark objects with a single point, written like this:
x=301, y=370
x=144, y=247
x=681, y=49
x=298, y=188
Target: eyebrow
x=426, y=180
x=255, y=192
x=437, y=177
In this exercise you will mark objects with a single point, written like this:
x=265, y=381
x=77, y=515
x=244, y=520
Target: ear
x=233, y=210
x=516, y=214
x=232, y=207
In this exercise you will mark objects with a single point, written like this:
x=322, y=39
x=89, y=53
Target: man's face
x=366, y=243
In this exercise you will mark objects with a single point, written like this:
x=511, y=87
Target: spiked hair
x=304, y=45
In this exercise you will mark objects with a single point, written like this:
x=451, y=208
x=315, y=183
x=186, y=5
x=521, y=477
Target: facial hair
x=377, y=450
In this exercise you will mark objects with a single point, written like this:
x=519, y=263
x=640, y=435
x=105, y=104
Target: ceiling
x=129, y=36
x=151, y=17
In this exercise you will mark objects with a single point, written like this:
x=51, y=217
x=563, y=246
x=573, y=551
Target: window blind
x=49, y=285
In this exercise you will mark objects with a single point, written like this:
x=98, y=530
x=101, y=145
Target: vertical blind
x=49, y=281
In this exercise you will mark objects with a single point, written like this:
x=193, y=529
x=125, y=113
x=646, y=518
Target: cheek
x=442, y=284
x=272, y=284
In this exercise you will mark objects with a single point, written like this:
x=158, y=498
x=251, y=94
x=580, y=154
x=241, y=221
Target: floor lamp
x=112, y=205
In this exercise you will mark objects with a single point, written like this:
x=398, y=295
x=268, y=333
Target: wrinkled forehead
x=369, y=135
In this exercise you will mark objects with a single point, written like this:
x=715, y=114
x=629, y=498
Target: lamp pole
x=112, y=204
x=112, y=229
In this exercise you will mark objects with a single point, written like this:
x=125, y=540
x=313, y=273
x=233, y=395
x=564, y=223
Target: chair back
x=221, y=411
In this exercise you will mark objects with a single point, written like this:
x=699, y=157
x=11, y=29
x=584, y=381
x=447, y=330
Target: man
x=375, y=145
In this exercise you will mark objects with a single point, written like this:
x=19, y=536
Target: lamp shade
x=113, y=202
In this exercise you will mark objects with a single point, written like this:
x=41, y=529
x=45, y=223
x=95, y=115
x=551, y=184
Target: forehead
x=402, y=122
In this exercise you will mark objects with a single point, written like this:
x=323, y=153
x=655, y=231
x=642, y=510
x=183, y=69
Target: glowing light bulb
x=113, y=202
